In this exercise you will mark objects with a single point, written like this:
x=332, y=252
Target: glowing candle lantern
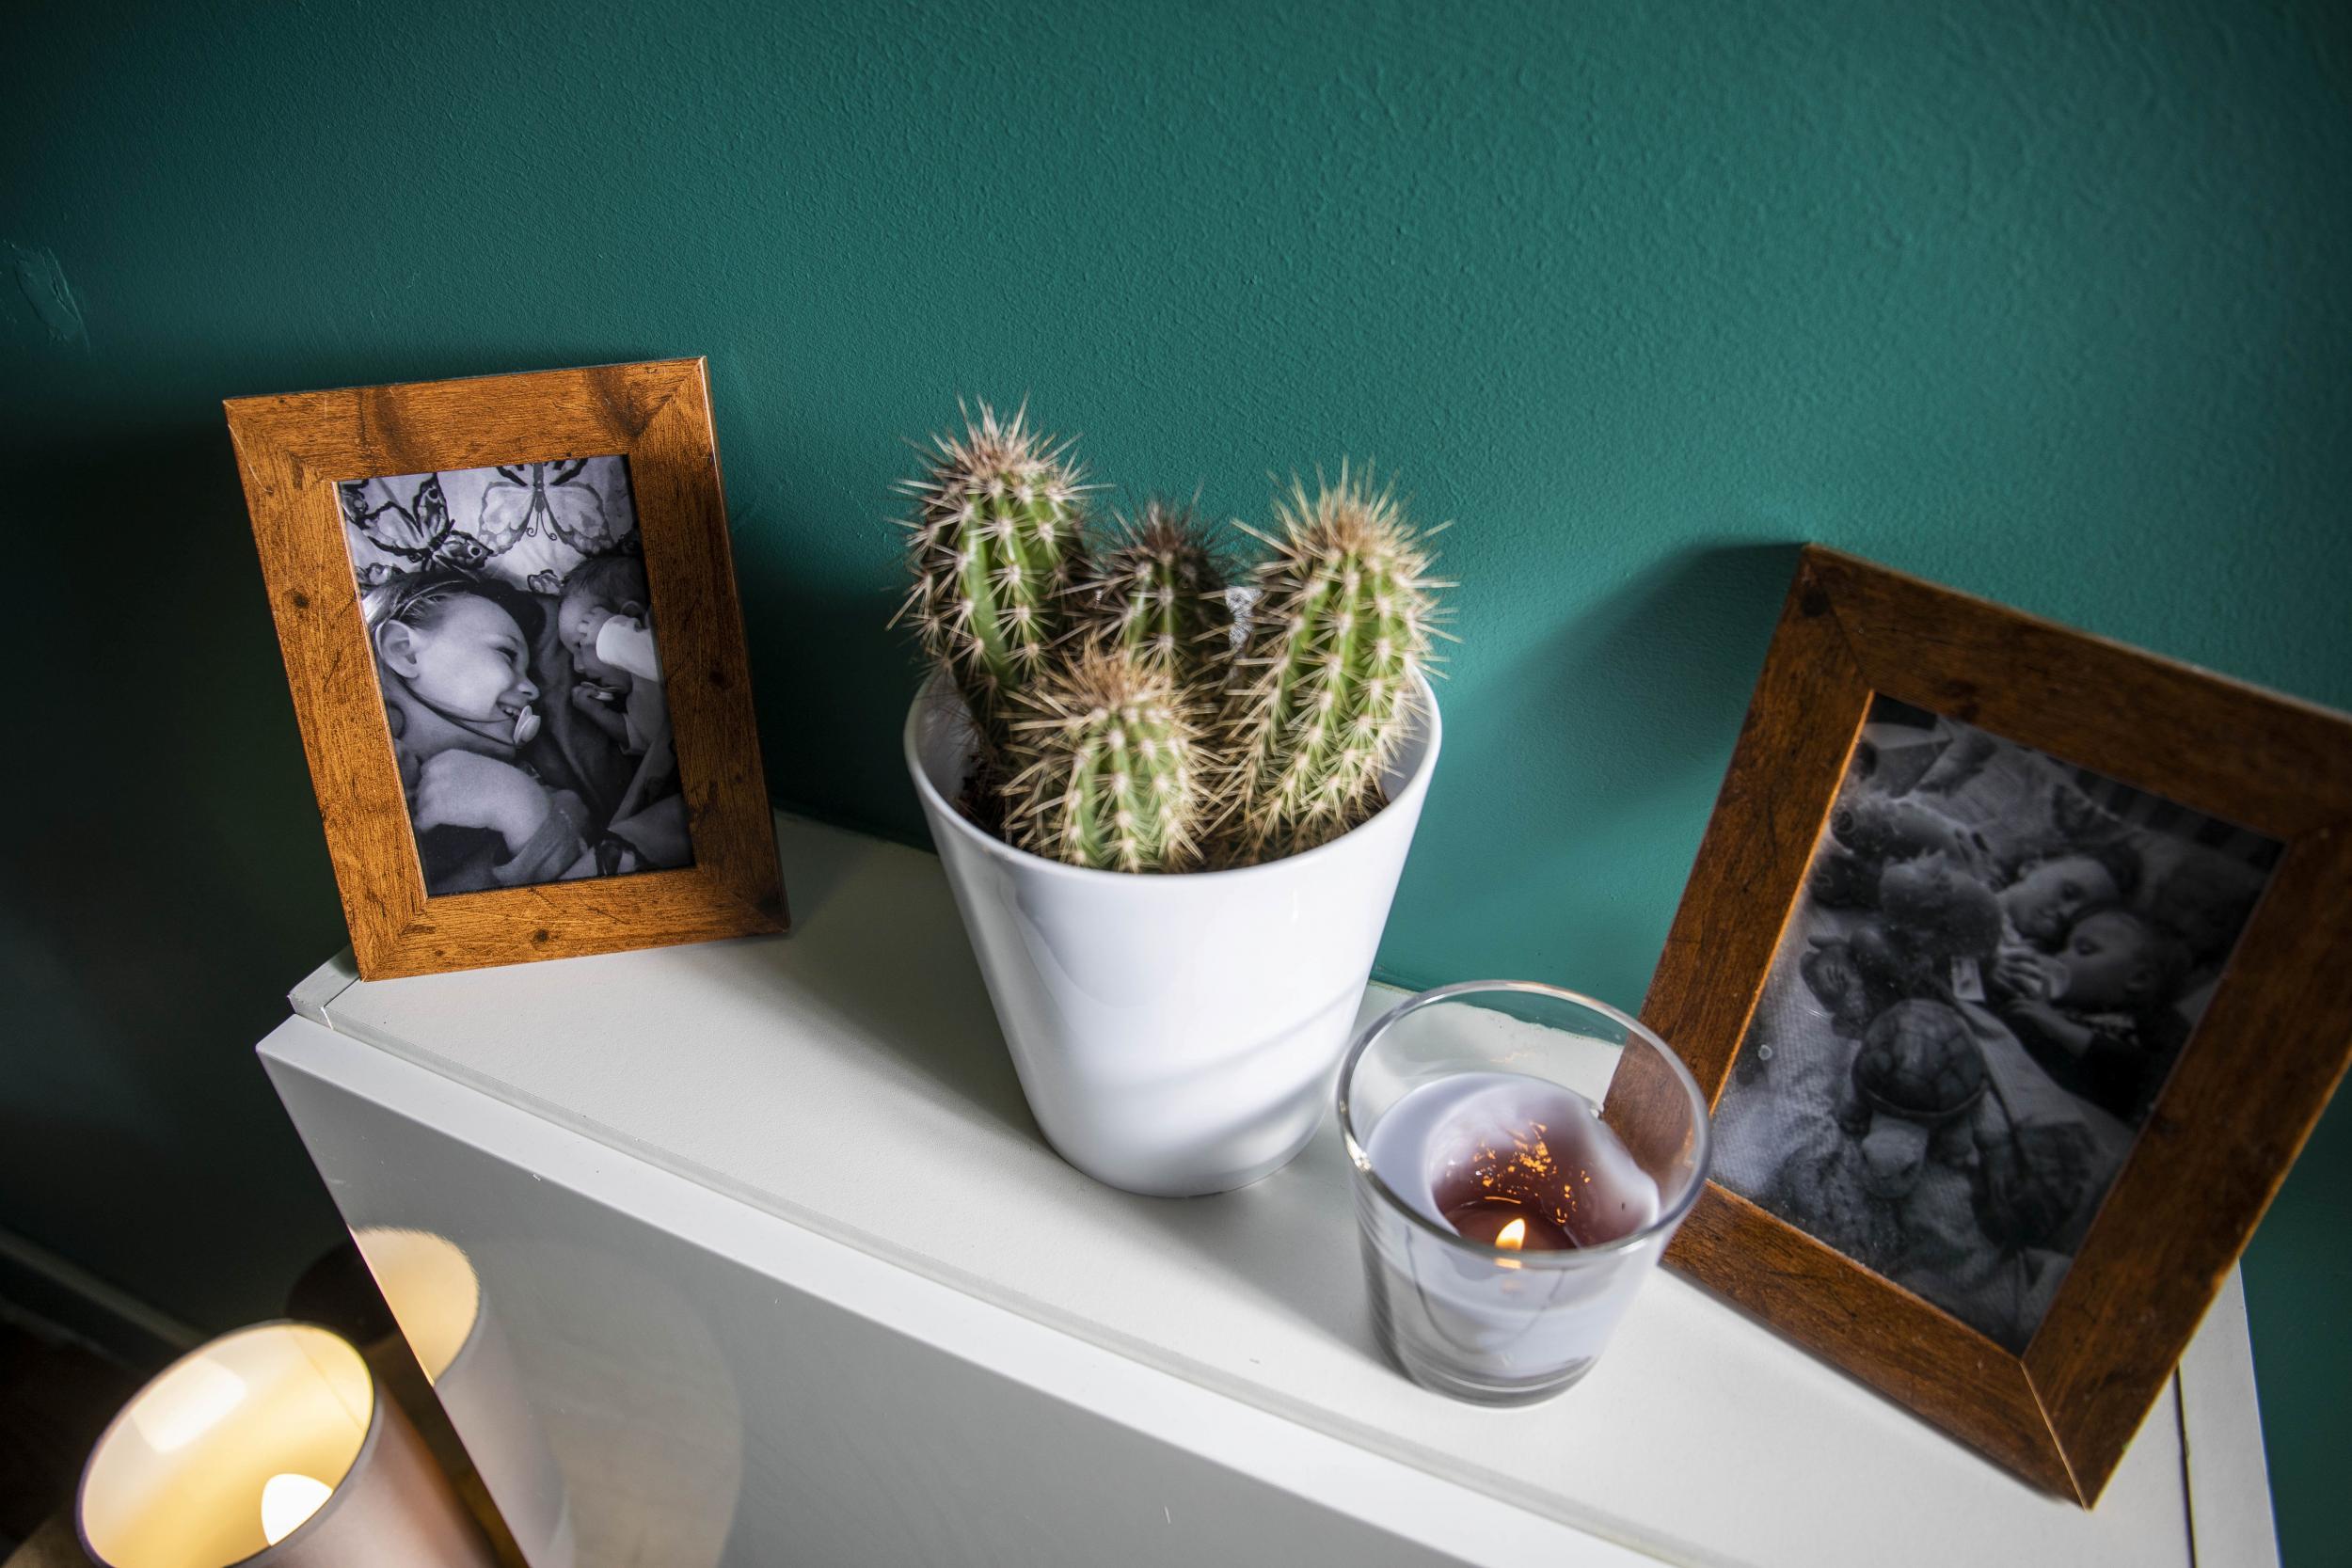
x=273, y=1446
x=1522, y=1157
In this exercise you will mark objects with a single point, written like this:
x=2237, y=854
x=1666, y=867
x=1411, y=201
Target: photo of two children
x=511, y=627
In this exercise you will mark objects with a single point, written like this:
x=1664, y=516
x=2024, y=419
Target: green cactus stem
x=994, y=545
x=1328, y=682
x=1159, y=590
x=1103, y=765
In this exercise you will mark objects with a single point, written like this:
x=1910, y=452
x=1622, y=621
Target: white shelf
x=848, y=1079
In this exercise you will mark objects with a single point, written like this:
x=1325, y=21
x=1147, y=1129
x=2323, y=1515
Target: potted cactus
x=1173, y=831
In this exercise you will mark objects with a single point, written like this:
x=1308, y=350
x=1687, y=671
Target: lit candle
x=1506, y=1224
x=272, y=1440
x=1525, y=1172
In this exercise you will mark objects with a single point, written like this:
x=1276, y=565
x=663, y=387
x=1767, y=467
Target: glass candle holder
x=1522, y=1156
x=273, y=1447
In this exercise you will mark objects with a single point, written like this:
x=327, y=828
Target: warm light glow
x=249, y=1434
x=186, y=1404
x=1512, y=1236
x=431, y=1288
x=287, y=1503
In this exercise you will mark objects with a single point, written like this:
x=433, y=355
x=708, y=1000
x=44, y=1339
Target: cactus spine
x=1328, y=683
x=1103, y=765
x=996, y=546
x=1158, y=590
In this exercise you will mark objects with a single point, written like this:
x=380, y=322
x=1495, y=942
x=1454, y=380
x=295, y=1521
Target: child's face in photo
x=2045, y=901
x=577, y=621
x=2107, y=962
x=473, y=664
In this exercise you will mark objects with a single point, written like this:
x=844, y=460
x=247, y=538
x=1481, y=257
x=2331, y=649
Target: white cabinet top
x=850, y=1078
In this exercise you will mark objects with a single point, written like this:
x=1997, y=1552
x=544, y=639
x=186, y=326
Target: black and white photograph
x=513, y=633
x=1995, y=963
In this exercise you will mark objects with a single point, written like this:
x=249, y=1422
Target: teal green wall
x=2047, y=301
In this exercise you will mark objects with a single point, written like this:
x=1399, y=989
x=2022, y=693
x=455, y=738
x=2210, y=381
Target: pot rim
x=933, y=689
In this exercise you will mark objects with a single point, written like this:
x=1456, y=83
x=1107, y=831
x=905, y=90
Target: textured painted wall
x=2047, y=301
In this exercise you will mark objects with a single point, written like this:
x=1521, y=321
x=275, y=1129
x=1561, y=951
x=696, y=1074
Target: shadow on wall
x=832, y=679
x=164, y=875
x=1618, y=725
x=1686, y=638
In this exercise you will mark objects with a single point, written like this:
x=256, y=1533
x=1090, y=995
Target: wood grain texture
x=2248, y=1089
x=293, y=450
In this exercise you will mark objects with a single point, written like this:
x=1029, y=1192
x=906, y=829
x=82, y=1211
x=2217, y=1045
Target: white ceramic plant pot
x=1175, y=1034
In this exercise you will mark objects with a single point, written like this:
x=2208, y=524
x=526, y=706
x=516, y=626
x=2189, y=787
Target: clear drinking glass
x=1523, y=1155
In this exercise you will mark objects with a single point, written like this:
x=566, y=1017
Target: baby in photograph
x=605, y=623
x=2101, y=1016
x=1998, y=962
x=453, y=660
x=454, y=657
x=2046, y=893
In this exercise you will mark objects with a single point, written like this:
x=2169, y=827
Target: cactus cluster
x=1126, y=721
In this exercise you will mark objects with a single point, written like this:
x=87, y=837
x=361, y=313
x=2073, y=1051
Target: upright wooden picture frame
x=2228, y=1120
x=294, y=452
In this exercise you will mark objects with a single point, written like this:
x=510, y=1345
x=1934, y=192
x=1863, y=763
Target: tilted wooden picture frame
x=2184, y=820
x=514, y=761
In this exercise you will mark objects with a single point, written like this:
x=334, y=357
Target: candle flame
x=1513, y=1236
